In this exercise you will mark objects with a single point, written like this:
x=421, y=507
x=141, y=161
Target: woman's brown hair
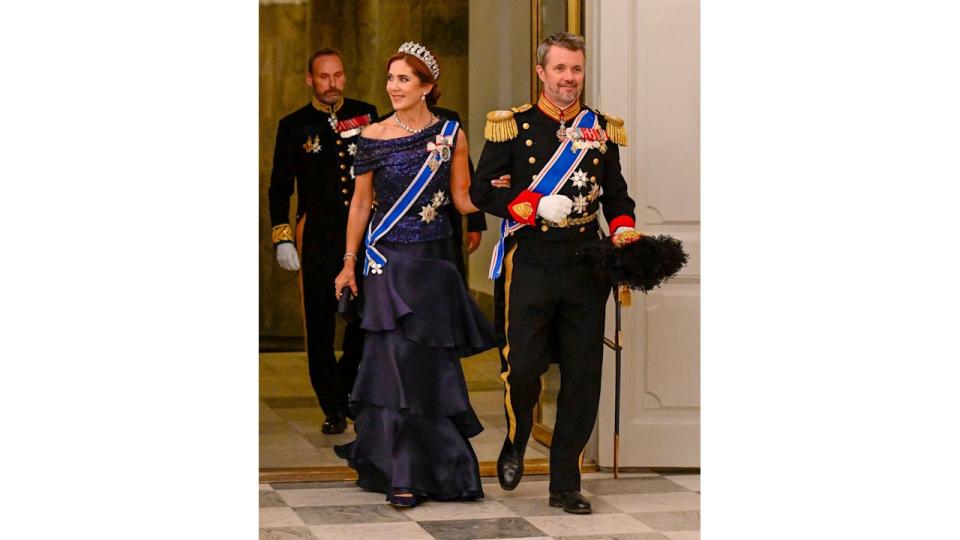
x=422, y=72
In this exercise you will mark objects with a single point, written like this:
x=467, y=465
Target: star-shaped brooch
x=352, y=149
x=428, y=214
x=579, y=178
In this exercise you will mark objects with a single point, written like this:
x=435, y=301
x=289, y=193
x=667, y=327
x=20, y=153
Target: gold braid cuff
x=282, y=233
x=615, y=130
x=501, y=126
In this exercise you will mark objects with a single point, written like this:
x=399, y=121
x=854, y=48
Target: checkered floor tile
x=634, y=507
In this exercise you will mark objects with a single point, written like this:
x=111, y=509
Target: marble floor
x=642, y=506
x=290, y=418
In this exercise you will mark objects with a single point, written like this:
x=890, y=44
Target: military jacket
x=311, y=154
x=596, y=183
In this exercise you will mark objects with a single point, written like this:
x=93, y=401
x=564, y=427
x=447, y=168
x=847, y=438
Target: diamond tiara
x=422, y=54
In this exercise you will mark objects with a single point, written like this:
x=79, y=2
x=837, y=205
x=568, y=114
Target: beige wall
x=367, y=33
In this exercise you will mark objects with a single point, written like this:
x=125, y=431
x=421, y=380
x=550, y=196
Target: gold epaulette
x=282, y=233
x=615, y=130
x=500, y=126
x=523, y=108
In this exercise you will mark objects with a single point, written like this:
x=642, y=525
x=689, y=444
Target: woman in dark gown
x=413, y=414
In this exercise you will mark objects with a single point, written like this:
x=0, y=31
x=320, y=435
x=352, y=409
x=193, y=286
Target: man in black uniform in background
x=315, y=149
x=549, y=307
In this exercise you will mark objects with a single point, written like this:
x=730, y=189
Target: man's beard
x=331, y=98
x=563, y=92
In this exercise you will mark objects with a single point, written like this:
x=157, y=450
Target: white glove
x=621, y=229
x=554, y=207
x=287, y=257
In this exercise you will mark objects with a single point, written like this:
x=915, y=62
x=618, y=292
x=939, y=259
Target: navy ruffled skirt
x=413, y=414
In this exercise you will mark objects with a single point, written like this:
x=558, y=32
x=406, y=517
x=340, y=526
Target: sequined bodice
x=394, y=163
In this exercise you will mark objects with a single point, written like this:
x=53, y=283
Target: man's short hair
x=571, y=42
x=324, y=51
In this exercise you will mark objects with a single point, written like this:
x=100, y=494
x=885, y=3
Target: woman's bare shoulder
x=373, y=131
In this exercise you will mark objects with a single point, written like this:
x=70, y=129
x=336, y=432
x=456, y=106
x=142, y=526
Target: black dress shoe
x=405, y=501
x=570, y=501
x=334, y=425
x=509, y=466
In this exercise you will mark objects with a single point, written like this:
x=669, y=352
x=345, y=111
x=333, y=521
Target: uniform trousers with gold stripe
x=549, y=309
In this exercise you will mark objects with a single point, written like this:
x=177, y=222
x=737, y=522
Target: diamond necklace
x=396, y=119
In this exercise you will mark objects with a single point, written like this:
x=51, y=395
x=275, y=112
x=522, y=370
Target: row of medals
x=574, y=135
x=313, y=145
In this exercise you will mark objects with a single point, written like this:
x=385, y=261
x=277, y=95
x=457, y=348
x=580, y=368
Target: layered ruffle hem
x=413, y=413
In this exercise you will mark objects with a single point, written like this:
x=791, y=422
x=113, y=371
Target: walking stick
x=635, y=262
x=617, y=347
x=616, y=406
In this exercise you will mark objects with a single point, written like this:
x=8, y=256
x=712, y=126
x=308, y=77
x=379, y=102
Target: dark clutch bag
x=348, y=305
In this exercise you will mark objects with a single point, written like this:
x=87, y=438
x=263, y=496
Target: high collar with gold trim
x=323, y=107
x=565, y=115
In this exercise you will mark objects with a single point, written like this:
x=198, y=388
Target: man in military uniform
x=564, y=160
x=315, y=149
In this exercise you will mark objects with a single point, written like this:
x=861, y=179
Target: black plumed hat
x=642, y=265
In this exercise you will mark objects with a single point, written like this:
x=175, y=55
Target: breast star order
x=428, y=214
x=579, y=178
x=580, y=204
x=352, y=149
